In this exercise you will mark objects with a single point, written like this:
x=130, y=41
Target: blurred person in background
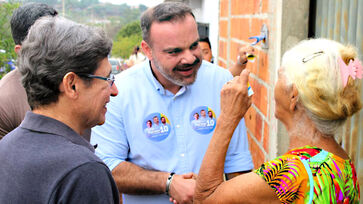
x=13, y=99
x=136, y=57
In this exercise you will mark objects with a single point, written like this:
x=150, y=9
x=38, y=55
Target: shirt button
x=182, y=155
x=178, y=126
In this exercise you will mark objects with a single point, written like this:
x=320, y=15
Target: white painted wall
x=207, y=11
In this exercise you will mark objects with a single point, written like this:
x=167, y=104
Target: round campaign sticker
x=156, y=127
x=203, y=119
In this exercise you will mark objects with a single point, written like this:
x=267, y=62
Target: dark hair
x=205, y=39
x=167, y=11
x=25, y=16
x=136, y=50
x=54, y=47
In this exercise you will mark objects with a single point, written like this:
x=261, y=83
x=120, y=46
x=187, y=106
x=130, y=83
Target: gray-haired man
x=67, y=78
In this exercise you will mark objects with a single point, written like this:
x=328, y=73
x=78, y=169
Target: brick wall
x=238, y=21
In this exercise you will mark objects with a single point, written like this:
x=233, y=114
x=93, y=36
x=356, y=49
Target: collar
x=156, y=84
x=43, y=124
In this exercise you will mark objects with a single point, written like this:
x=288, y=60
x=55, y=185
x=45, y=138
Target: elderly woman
x=316, y=91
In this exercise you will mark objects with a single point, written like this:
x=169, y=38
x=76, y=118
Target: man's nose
x=114, y=90
x=188, y=57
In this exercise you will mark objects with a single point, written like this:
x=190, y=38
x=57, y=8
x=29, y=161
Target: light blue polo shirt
x=175, y=145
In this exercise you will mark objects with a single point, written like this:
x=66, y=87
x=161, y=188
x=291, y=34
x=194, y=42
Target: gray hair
x=167, y=11
x=55, y=46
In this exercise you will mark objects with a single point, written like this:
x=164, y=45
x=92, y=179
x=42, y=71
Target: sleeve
x=111, y=138
x=5, y=124
x=286, y=176
x=89, y=183
x=238, y=155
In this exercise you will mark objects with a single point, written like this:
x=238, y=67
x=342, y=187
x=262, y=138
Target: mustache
x=184, y=66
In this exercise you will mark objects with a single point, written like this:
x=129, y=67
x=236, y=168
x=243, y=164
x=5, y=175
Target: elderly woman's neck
x=303, y=132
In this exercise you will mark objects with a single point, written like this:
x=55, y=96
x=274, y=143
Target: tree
x=126, y=39
x=7, y=44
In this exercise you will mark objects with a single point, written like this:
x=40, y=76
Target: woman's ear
x=294, y=96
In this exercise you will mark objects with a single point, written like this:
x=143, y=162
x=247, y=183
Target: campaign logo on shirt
x=203, y=119
x=156, y=127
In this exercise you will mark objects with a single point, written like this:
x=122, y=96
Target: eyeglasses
x=110, y=79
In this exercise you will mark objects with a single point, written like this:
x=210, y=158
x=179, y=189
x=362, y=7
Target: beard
x=173, y=75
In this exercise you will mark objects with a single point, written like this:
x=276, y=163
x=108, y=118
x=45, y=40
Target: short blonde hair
x=312, y=65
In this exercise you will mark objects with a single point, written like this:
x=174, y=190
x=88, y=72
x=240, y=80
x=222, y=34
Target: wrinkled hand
x=234, y=98
x=182, y=188
x=242, y=53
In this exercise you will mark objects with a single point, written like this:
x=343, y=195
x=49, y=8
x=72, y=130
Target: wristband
x=238, y=61
x=168, y=183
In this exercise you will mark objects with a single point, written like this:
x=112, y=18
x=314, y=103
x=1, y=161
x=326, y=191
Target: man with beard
x=173, y=83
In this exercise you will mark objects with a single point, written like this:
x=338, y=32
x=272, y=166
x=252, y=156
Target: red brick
x=250, y=120
x=266, y=137
x=256, y=6
x=256, y=26
x=224, y=8
x=234, y=51
x=222, y=64
x=257, y=155
x=240, y=28
x=265, y=6
x=263, y=70
x=223, y=29
x=260, y=96
x=242, y=7
x=223, y=50
x=258, y=127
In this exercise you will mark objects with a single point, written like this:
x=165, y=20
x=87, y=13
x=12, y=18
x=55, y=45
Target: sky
x=148, y=3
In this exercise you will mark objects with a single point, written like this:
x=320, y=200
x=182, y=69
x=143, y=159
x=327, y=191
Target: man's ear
x=294, y=96
x=17, y=49
x=146, y=49
x=69, y=85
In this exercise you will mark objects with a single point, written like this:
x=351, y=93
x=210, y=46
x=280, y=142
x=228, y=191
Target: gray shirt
x=45, y=161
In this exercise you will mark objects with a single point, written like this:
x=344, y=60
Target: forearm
x=212, y=169
x=132, y=179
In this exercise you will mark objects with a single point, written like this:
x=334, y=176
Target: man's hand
x=242, y=60
x=182, y=188
x=234, y=98
x=242, y=54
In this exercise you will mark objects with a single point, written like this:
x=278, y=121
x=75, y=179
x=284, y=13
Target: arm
x=132, y=179
x=210, y=185
x=242, y=61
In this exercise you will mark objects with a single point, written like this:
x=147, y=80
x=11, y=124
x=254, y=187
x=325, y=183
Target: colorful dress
x=290, y=176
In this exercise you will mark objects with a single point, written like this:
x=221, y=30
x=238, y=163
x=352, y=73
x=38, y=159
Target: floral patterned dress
x=311, y=175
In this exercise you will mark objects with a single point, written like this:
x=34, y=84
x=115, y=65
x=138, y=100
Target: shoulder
x=280, y=165
x=90, y=182
x=286, y=175
x=214, y=72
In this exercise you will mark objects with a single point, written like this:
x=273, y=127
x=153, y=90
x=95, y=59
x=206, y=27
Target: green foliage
x=126, y=39
x=132, y=28
x=6, y=40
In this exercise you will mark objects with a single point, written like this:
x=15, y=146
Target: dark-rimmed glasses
x=110, y=79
